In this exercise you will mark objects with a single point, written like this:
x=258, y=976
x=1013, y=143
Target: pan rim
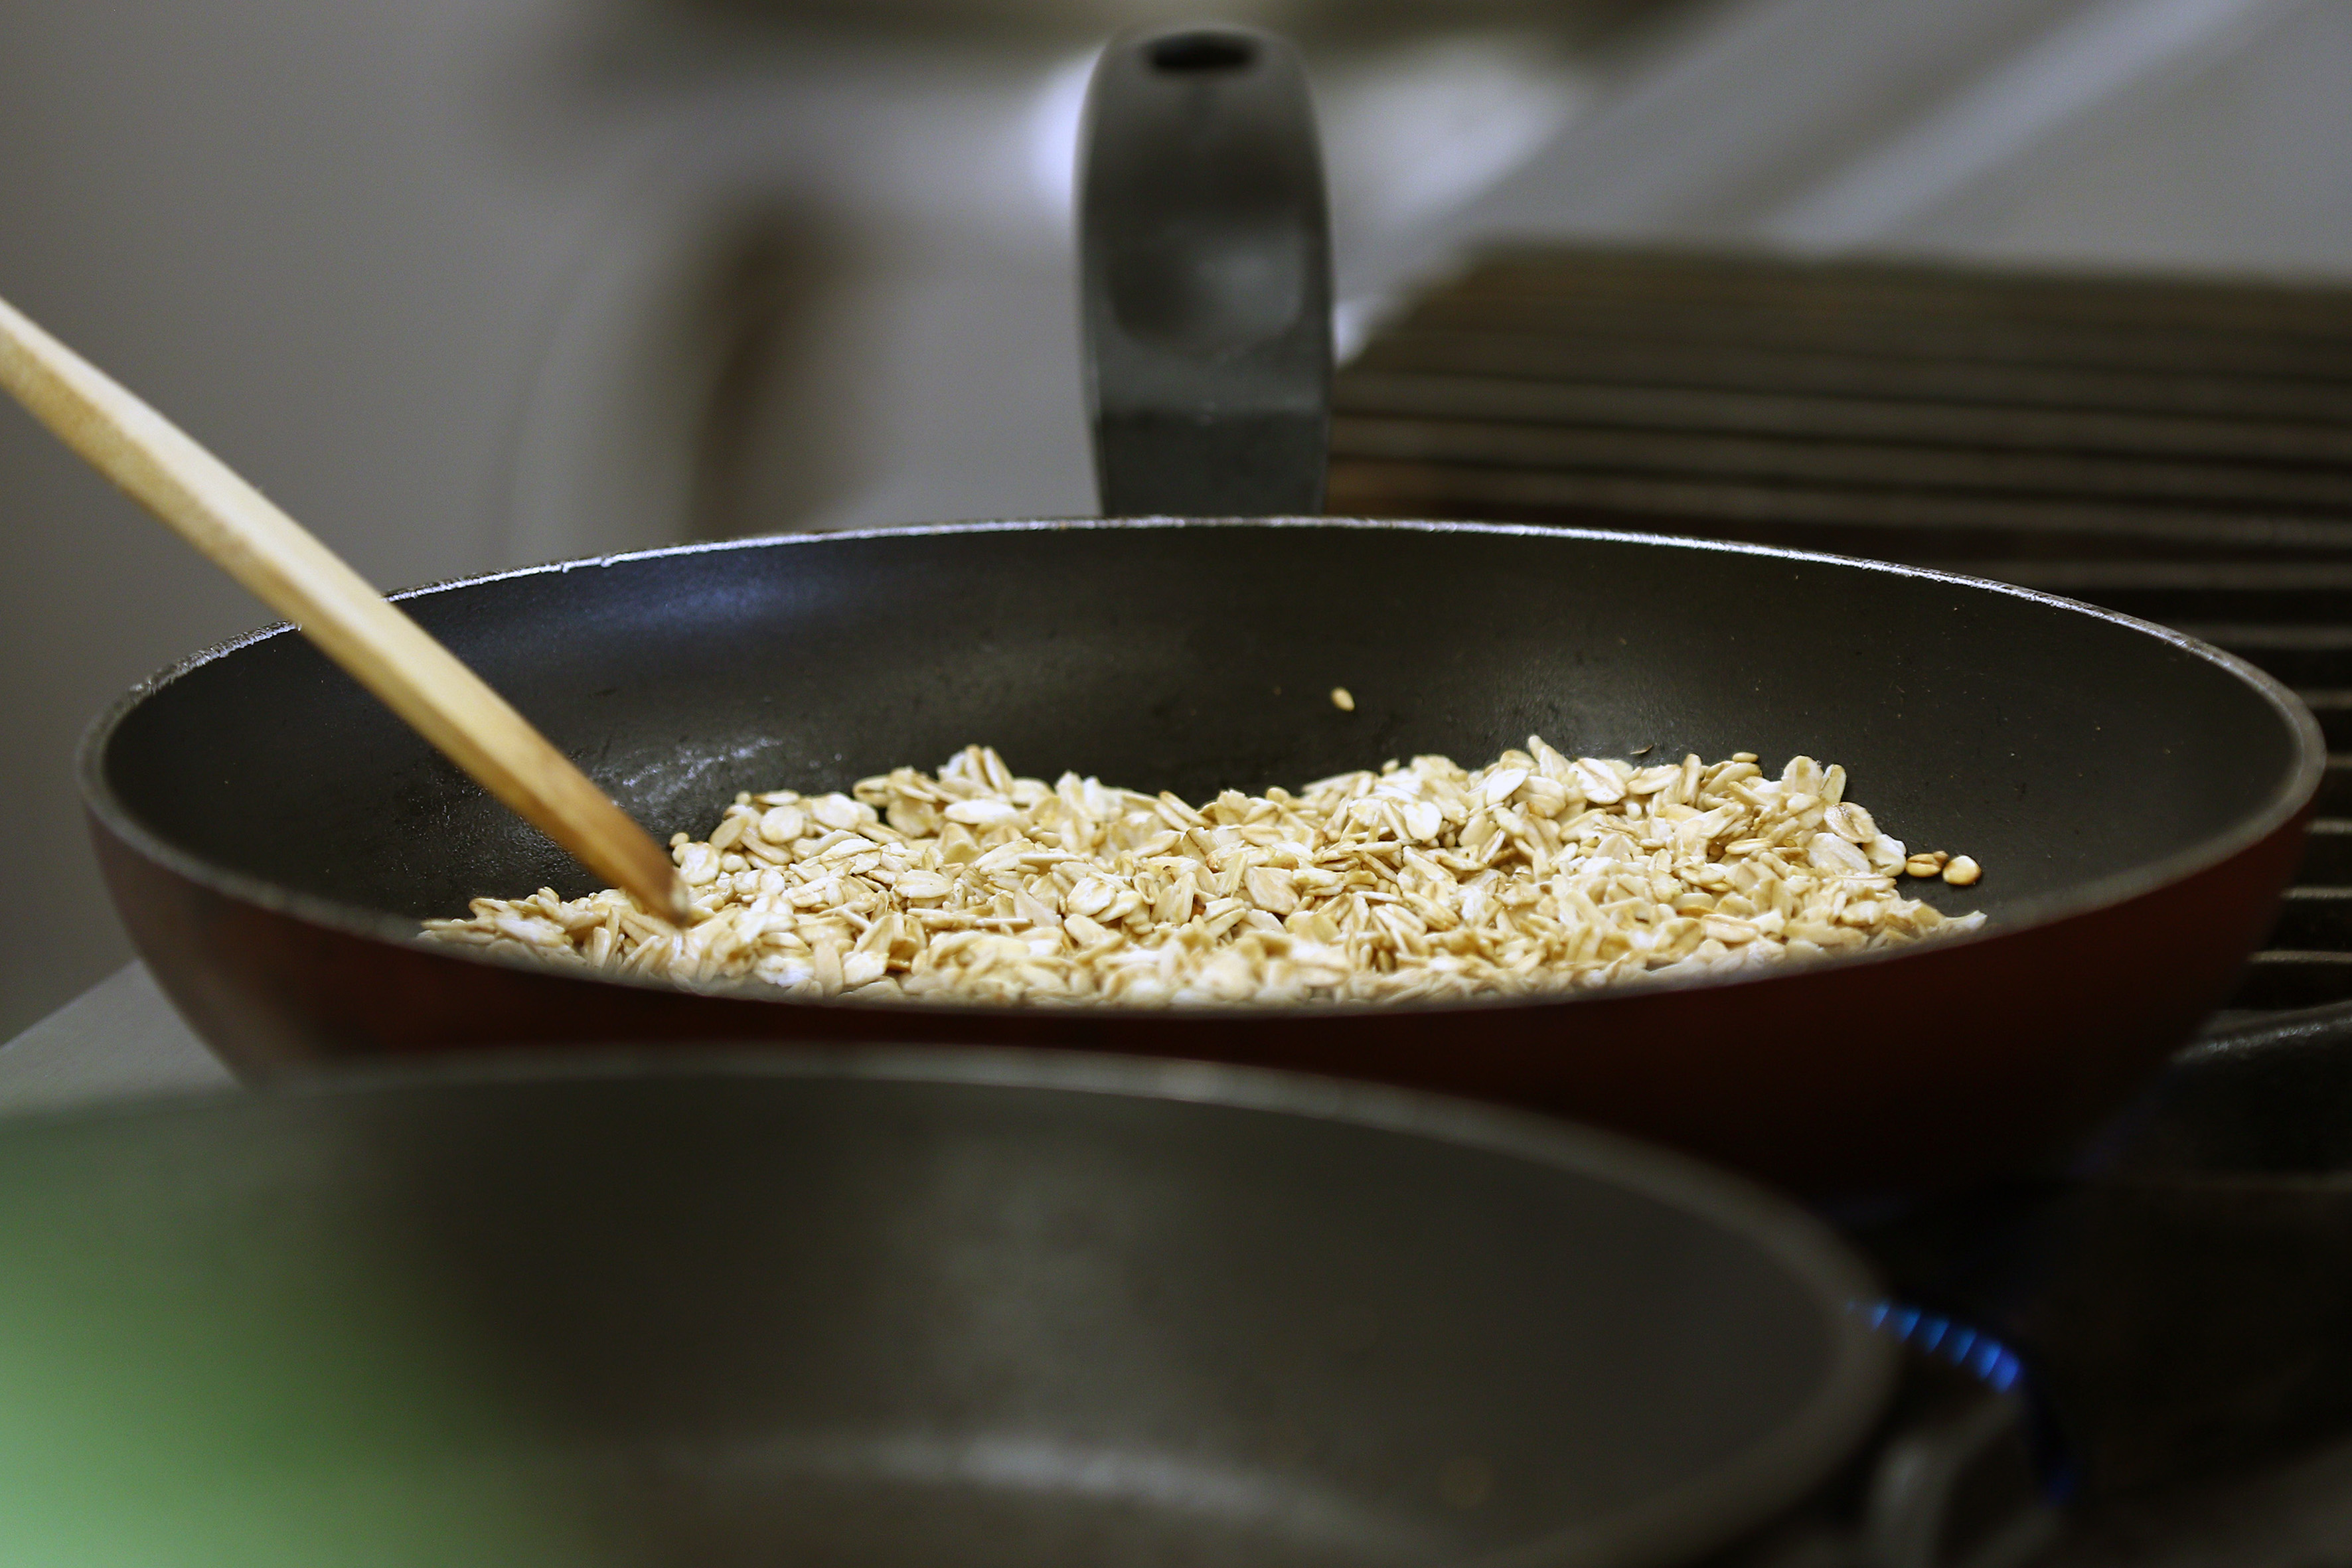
x=1700, y=1513
x=2291, y=799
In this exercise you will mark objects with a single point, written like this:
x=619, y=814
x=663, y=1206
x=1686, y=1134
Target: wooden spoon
x=241, y=532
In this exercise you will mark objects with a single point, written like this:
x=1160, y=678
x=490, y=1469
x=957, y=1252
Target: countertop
x=118, y=1040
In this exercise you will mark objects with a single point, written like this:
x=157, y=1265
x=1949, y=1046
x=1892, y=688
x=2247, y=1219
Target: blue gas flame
x=1972, y=1350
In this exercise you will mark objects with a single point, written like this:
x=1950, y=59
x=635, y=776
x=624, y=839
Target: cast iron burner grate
x=2180, y=451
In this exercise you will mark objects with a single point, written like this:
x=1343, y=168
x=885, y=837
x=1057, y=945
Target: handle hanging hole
x=1201, y=52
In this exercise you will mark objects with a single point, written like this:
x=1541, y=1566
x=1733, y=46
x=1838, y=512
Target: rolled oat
x=1420, y=882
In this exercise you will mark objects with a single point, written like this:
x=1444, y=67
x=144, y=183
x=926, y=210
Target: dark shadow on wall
x=778, y=440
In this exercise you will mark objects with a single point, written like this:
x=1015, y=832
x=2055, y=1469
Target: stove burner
x=1972, y=1351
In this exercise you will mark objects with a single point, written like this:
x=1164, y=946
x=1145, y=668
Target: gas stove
x=2146, y=1356
x=2142, y=1357
x=2180, y=450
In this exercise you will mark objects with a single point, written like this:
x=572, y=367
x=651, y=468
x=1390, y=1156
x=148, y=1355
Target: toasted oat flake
x=1420, y=882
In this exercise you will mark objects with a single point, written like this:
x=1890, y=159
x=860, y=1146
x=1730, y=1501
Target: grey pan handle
x=1205, y=259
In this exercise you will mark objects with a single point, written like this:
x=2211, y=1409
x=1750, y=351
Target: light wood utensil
x=239, y=530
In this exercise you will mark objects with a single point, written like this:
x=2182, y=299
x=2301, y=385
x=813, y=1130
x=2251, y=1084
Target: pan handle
x=1204, y=255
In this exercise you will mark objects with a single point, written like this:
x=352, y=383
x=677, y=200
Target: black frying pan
x=895, y=1307
x=2136, y=799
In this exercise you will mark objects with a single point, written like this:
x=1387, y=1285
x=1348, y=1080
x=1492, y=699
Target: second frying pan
x=881, y=1308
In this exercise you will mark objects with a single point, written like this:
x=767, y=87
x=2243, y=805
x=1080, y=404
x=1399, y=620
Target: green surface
x=191, y=1384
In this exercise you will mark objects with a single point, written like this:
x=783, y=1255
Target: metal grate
x=2176, y=450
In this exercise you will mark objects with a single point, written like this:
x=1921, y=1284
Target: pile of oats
x=1535, y=873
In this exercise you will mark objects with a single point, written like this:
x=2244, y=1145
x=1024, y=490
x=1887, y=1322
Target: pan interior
x=2057, y=746
x=711, y=1319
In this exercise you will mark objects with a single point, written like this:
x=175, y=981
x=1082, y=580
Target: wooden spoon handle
x=239, y=530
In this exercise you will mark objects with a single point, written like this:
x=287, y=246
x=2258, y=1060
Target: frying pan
x=898, y=1307
x=2137, y=798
